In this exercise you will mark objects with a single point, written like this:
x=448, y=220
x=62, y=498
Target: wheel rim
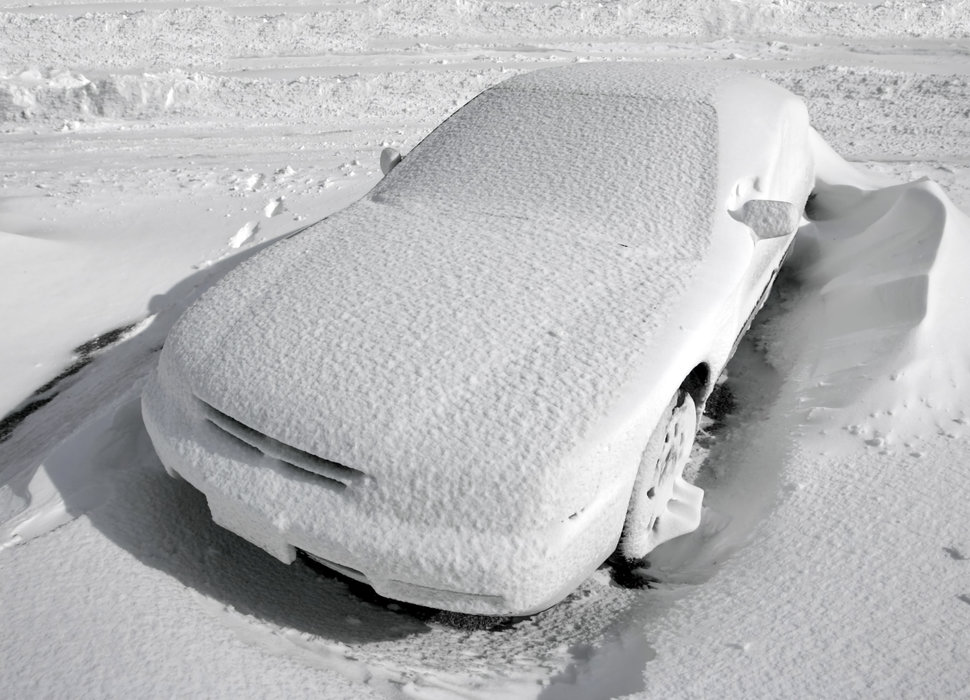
x=664, y=505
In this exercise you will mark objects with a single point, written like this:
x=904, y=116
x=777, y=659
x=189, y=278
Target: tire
x=663, y=505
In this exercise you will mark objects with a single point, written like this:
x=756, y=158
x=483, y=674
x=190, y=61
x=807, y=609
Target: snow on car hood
x=415, y=355
x=458, y=320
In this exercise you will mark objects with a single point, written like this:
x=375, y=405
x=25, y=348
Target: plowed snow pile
x=148, y=148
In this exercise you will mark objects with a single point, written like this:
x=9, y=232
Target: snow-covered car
x=474, y=385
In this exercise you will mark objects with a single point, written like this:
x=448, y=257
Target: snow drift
x=883, y=326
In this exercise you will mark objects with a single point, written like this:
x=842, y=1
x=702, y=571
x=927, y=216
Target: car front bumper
x=443, y=565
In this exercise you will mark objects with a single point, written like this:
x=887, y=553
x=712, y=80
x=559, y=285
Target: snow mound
x=886, y=291
x=65, y=94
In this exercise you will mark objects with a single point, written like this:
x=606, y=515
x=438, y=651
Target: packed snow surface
x=139, y=138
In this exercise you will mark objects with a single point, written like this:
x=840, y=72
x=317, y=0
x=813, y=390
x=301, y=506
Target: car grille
x=336, y=475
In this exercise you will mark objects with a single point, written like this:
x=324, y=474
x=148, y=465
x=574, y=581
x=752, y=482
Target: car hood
x=408, y=347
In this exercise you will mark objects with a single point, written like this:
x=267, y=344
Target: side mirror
x=390, y=157
x=768, y=218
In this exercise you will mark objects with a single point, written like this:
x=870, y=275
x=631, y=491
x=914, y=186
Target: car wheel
x=663, y=504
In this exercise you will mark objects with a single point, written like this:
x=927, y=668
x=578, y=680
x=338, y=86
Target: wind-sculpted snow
x=884, y=321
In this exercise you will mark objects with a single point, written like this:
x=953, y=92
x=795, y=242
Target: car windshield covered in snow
x=550, y=148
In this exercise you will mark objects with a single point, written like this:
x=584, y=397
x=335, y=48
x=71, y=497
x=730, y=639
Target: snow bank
x=62, y=93
x=156, y=36
x=353, y=62
x=329, y=99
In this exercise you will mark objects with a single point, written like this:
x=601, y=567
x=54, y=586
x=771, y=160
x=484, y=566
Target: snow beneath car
x=833, y=555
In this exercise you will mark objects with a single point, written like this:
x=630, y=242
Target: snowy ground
x=148, y=147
